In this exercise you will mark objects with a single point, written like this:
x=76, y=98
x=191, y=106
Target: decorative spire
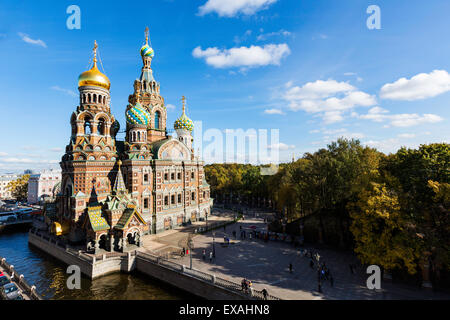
x=183, y=99
x=146, y=35
x=119, y=184
x=95, y=52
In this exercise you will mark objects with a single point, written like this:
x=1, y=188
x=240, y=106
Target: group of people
x=246, y=285
x=211, y=255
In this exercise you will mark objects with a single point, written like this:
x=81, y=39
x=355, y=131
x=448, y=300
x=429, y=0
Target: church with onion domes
x=114, y=192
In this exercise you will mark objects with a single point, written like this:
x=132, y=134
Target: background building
x=41, y=185
x=4, y=180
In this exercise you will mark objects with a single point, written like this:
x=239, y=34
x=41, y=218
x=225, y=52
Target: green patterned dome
x=184, y=122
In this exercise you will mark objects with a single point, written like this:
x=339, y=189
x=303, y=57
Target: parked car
x=19, y=297
x=4, y=280
x=10, y=291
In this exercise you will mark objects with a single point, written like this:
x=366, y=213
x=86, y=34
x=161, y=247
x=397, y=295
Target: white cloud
x=66, y=91
x=281, y=146
x=231, y=8
x=421, y=86
x=317, y=90
x=56, y=149
x=27, y=39
x=253, y=56
x=320, y=36
x=170, y=107
x=387, y=145
x=330, y=99
x=407, y=135
x=332, y=117
x=378, y=114
x=273, y=111
x=281, y=32
x=239, y=39
x=3, y=154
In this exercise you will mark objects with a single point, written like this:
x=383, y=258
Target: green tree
x=19, y=187
x=380, y=230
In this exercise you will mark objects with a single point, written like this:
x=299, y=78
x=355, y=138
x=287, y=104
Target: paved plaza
x=266, y=264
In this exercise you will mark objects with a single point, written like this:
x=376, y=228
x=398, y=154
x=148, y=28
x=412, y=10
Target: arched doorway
x=102, y=242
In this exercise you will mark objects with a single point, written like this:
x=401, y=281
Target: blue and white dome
x=147, y=51
x=138, y=115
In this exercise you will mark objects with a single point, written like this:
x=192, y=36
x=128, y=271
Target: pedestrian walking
x=210, y=257
x=290, y=267
x=204, y=254
x=184, y=251
x=264, y=293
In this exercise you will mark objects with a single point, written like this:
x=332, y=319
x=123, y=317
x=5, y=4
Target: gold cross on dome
x=95, y=50
x=146, y=34
x=183, y=99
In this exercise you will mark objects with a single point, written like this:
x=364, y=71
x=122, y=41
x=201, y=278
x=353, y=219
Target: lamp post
x=190, y=252
x=214, y=247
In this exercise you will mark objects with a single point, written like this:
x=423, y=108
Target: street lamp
x=190, y=252
x=214, y=247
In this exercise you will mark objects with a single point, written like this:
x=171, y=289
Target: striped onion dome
x=138, y=115
x=147, y=51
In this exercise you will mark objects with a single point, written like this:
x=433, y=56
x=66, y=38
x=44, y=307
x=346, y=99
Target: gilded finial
x=95, y=51
x=119, y=163
x=183, y=99
x=146, y=35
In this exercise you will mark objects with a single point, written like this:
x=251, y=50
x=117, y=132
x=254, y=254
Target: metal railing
x=26, y=288
x=203, y=276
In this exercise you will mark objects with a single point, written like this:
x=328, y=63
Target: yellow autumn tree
x=19, y=187
x=379, y=227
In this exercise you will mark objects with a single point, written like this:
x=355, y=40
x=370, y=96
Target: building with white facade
x=41, y=185
x=4, y=181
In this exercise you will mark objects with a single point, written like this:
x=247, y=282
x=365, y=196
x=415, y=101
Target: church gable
x=130, y=217
x=173, y=150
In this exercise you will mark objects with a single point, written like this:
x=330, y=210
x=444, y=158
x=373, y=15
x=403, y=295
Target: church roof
x=119, y=184
x=98, y=222
x=126, y=218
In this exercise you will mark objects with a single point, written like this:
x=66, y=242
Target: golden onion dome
x=94, y=77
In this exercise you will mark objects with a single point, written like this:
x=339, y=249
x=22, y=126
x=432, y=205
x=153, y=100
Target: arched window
x=87, y=127
x=104, y=99
x=95, y=98
x=139, y=136
x=133, y=136
x=101, y=127
x=157, y=120
x=89, y=97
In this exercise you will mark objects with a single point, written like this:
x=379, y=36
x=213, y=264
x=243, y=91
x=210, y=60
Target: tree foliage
x=392, y=209
x=19, y=187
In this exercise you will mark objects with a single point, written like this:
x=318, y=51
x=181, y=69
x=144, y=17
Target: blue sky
x=310, y=68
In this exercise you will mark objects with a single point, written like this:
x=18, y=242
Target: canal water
x=49, y=276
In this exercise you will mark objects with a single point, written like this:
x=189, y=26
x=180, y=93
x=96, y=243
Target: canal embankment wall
x=196, y=282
